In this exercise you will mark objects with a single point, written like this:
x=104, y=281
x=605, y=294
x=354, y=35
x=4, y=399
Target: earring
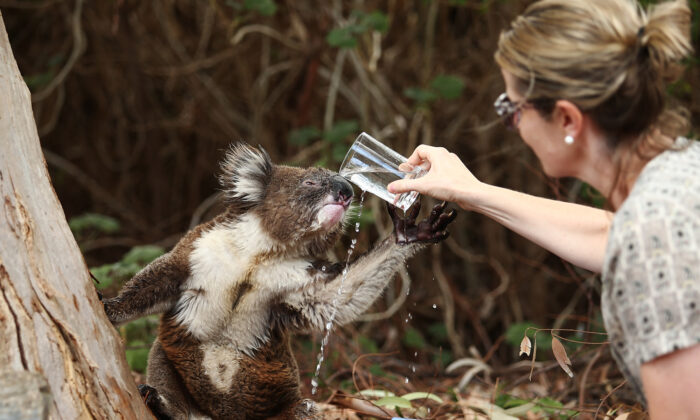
x=569, y=140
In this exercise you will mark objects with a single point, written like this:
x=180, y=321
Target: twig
x=268, y=31
x=207, y=26
x=333, y=89
x=448, y=304
x=396, y=305
x=607, y=396
x=95, y=189
x=53, y=118
x=203, y=207
x=79, y=45
x=584, y=377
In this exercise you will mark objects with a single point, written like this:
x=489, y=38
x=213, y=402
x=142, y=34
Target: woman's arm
x=574, y=232
x=671, y=384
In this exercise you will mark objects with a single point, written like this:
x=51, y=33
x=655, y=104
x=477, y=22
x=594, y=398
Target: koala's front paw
x=431, y=230
x=153, y=402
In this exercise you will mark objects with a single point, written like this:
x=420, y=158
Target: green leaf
x=419, y=95
x=367, y=216
x=376, y=370
x=322, y=162
x=341, y=37
x=413, y=338
x=377, y=21
x=549, y=405
x=443, y=358
x=264, y=7
x=141, y=331
x=339, y=151
x=127, y=267
x=93, y=221
x=418, y=395
x=368, y=345
x=37, y=81
x=104, y=276
x=340, y=131
x=137, y=359
x=393, y=402
x=143, y=254
x=438, y=331
x=376, y=393
x=303, y=136
x=592, y=195
x=448, y=87
x=508, y=401
x=521, y=410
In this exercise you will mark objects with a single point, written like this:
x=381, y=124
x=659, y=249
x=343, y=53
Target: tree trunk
x=51, y=321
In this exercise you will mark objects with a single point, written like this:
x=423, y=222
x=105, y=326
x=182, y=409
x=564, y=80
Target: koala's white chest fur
x=227, y=297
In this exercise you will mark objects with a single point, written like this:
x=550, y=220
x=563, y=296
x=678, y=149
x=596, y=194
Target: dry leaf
x=525, y=346
x=560, y=355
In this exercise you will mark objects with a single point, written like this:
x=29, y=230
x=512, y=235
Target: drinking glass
x=371, y=166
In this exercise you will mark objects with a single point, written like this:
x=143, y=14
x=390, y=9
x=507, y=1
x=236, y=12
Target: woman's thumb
x=399, y=186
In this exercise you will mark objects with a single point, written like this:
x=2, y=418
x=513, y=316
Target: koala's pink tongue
x=330, y=214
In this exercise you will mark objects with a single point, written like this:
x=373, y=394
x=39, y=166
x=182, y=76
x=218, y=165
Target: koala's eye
x=310, y=183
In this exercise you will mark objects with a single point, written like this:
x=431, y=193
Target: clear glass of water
x=371, y=166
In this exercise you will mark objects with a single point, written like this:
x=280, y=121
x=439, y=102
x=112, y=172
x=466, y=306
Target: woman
x=585, y=88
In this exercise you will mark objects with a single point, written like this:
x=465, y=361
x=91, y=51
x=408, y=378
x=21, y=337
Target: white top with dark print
x=651, y=275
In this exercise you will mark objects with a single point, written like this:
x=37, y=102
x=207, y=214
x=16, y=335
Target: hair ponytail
x=666, y=37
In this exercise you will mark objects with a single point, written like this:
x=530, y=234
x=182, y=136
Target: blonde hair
x=609, y=57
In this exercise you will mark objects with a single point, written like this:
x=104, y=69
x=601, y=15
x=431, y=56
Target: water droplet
x=334, y=310
x=410, y=315
x=413, y=368
x=415, y=354
x=434, y=306
x=406, y=380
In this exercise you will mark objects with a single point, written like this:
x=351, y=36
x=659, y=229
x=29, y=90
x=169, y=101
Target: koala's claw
x=150, y=398
x=431, y=230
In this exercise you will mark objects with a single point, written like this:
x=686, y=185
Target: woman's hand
x=447, y=178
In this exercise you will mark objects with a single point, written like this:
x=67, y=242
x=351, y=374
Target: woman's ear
x=569, y=117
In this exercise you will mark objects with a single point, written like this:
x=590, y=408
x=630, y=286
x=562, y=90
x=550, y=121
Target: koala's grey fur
x=233, y=290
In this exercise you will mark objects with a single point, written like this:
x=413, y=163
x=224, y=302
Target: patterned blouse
x=651, y=274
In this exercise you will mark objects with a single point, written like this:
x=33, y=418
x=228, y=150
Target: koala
x=233, y=290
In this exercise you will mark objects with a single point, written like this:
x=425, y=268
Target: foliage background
x=135, y=102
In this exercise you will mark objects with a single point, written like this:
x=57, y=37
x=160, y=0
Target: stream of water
x=329, y=324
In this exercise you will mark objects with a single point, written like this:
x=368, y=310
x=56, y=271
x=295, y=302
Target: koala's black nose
x=341, y=188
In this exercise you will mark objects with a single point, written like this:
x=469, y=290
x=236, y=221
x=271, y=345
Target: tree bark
x=51, y=321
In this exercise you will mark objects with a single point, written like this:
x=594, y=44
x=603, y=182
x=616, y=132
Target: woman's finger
x=403, y=185
x=421, y=154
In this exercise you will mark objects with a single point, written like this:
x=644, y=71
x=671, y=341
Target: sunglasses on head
x=508, y=110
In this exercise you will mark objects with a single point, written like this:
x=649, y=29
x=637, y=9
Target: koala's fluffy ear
x=246, y=171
